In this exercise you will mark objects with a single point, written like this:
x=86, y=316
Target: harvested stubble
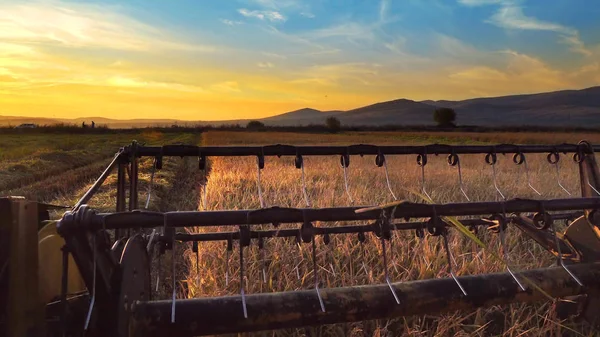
x=232, y=184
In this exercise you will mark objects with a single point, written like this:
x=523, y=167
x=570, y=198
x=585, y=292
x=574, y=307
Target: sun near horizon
x=243, y=59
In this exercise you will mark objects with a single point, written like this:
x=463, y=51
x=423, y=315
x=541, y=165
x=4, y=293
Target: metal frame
x=261, y=311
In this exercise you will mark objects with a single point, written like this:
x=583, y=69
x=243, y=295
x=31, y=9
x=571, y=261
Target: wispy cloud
x=272, y=16
x=231, y=22
x=83, y=25
x=307, y=15
x=265, y=65
x=510, y=15
x=227, y=87
x=122, y=81
x=274, y=55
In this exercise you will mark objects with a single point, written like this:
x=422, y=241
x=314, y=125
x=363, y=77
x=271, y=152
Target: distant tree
x=444, y=117
x=333, y=124
x=255, y=125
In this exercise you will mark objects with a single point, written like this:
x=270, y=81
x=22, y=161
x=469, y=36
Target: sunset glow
x=216, y=60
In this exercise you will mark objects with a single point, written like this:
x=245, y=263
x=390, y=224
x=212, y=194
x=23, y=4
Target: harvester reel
x=117, y=275
x=135, y=280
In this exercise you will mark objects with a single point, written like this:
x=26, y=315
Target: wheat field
x=282, y=266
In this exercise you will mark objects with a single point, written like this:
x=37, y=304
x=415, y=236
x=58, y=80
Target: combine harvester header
x=100, y=283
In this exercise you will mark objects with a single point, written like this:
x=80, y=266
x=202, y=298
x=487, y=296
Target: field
x=59, y=169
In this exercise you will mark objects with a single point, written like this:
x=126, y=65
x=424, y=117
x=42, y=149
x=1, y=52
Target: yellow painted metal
x=25, y=310
x=50, y=265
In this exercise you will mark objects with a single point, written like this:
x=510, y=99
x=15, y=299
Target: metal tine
x=297, y=267
x=93, y=300
x=454, y=160
x=385, y=262
x=326, y=241
x=502, y=224
x=559, y=251
x=244, y=236
x=228, y=251
x=381, y=162
x=260, y=164
x=202, y=166
x=242, y=293
x=151, y=240
x=422, y=161
x=151, y=183
x=345, y=162
x=440, y=230
x=197, y=251
x=299, y=162
x=519, y=158
x=174, y=297
x=361, y=239
x=315, y=271
x=553, y=158
x=261, y=249
x=158, y=269
x=491, y=160
x=444, y=236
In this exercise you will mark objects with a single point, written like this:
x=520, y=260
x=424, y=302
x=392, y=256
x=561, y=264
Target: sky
x=238, y=59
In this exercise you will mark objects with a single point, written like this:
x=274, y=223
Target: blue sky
x=252, y=58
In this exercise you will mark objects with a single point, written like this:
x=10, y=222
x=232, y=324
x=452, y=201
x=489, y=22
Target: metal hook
x=380, y=161
x=519, y=158
x=316, y=276
x=454, y=160
x=553, y=158
x=299, y=162
x=345, y=162
x=422, y=161
x=385, y=264
x=260, y=164
x=491, y=159
x=93, y=300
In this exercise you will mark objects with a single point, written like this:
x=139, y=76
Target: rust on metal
x=207, y=316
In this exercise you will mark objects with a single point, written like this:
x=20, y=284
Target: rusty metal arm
x=208, y=316
x=280, y=233
x=545, y=238
x=146, y=219
x=90, y=193
x=357, y=149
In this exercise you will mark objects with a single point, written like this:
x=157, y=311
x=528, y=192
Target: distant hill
x=304, y=116
x=559, y=108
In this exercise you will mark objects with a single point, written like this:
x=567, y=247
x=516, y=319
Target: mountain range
x=558, y=108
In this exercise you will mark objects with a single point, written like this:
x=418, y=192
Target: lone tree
x=444, y=117
x=333, y=124
x=255, y=125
